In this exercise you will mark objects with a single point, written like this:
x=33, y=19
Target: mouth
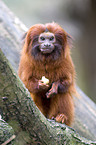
x=46, y=50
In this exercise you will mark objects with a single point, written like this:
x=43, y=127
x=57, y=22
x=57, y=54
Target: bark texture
x=6, y=133
x=30, y=126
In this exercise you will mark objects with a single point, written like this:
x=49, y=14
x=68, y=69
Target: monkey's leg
x=37, y=100
x=62, y=108
x=41, y=102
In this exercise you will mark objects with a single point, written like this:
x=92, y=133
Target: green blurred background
x=78, y=18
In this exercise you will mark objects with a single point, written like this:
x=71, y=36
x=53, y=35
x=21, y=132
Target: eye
x=42, y=38
x=52, y=38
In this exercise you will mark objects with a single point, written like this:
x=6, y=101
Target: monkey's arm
x=61, y=86
x=34, y=85
x=64, y=84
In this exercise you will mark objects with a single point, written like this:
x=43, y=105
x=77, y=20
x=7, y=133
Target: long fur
x=56, y=66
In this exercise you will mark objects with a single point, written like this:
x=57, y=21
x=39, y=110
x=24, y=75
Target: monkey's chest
x=51, y=74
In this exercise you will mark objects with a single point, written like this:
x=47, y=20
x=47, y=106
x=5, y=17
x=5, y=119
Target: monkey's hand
x=58, y=87
x=53, y=91
x=42, y=85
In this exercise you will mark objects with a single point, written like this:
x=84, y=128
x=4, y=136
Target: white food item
x=45, y=80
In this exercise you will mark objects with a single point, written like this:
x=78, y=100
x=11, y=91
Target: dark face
x=46, y=41
x=46, y=46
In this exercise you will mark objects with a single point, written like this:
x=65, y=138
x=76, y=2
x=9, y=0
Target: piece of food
x=45, y=80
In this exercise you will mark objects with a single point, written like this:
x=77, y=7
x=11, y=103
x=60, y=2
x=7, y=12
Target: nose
x=47, y=45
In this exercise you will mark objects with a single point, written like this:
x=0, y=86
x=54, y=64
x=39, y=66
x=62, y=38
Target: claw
x=61, y=118
x=50, y=94
x=53, y=91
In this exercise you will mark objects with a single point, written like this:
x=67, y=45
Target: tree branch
x=6, y=133
x=20, y=111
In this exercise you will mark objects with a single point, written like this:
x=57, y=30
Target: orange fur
x=60, y=106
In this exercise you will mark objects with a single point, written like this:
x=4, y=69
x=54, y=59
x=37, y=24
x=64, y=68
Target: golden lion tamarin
x=47, y=70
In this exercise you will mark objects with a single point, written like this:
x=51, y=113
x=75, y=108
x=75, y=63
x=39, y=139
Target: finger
x=43, y=84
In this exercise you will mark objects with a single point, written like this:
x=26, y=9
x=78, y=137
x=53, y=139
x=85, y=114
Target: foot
x=61, y=118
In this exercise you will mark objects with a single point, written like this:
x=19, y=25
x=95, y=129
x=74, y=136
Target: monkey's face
x=46, y=41
x=46, y=46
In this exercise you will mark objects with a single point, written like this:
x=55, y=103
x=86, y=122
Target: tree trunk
x=21, y=113
x=17, y=107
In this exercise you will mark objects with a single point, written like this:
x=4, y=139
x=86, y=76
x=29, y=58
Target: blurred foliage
x=78, y=18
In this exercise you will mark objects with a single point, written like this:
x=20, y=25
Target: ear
x=69, y=43
x=27, y=41
x=69, y=40
x=23, y=38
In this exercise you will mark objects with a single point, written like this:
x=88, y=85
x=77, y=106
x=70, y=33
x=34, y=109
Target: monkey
x=46, y=54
